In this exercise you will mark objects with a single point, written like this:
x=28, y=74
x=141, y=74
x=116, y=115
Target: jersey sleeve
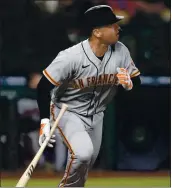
x=59, y=70
x=129, y=64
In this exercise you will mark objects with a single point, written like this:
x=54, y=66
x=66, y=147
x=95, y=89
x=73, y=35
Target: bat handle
x=28, y=172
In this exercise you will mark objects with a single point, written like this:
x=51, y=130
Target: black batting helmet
x=101, y=15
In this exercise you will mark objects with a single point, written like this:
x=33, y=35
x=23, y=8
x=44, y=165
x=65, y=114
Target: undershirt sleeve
x=44, y=89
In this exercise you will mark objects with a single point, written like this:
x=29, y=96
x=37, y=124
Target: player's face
x=110, y=34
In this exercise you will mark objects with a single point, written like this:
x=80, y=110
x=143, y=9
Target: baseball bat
x=28, y=172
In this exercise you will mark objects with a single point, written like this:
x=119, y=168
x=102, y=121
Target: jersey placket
x=102, y=70
x=100, y=67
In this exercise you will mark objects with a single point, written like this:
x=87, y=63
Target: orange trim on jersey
x=66, y=141
x=50, y=78
x=68, y=146
x=60, y=130
x=135, y=74
x=72, y=157
x=52, y=111
x=67, y=172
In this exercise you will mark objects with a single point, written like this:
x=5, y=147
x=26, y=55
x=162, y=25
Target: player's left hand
x=124, y=78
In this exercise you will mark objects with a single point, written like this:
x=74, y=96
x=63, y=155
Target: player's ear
x=96, y=33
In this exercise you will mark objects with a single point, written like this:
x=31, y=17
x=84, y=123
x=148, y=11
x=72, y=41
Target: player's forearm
x=136, y=82
x=43, y=97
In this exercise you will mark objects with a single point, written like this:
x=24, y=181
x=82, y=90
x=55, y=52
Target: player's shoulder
x=119, y=46
x=73, y=52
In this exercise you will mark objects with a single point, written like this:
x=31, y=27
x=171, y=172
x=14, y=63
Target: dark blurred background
x=137, y=124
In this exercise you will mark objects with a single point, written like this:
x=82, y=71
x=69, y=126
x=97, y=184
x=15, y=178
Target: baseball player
x=85, y=77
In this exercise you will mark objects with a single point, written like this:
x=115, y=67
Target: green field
x=100, y=182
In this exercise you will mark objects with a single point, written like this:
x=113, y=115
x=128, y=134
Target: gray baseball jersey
x=84, y=82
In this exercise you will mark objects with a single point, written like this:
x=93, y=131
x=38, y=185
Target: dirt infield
x=94, y=174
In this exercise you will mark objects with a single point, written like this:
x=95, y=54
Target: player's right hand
x=45, y=132
x=124, y=78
